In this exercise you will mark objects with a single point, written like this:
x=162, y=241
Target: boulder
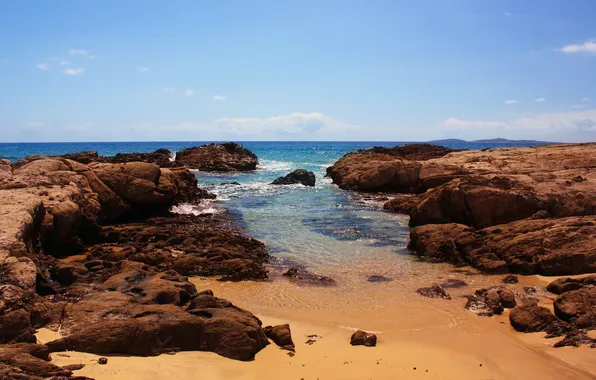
x=301, y=176
x=281, y=335
x=530, y=319
x=578, y=307
x=434, y=291
x=567, y=284
x=362, y=338
x=491, y=301
x=228, y=157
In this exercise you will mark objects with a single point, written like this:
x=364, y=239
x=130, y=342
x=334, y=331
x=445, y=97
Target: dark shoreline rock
x=301, y=176
x=363, y=338
x=281, y=335
x=227, y=157
x=123, y=292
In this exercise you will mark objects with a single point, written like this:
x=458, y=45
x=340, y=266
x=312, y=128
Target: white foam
x=188, y=209
x=172, y=156
x=276, y=166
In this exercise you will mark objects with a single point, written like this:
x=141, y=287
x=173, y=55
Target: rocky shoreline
x=89, y=248
x=509, y=210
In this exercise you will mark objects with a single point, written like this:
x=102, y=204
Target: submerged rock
x=362, y=338
x=305, y=278
x=379, y=278
x=301, y=176
x=435, y=291
x=228, y=157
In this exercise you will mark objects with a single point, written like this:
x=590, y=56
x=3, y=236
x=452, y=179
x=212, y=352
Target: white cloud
x=220, y=97
x=577, y=106
x=74, y=71
x=189, y=92
x=92, y=57
x=169, y=89
x=576, y=121
x=33, y=124
x=64, y=62
x=43, y=66
x=143, y=68
x=586, y=47
x=289, y=124
x=512, y=101
x=78, y=52
x=585, y=99
x=540, y=100
x=454, y=123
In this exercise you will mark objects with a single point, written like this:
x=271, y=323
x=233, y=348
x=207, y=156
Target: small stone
x=510, y=279
x=362, y=338
x=102, y=361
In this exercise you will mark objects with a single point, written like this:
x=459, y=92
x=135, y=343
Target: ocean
x=320, y=227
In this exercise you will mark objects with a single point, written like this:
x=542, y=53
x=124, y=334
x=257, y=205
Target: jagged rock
x=281, y=335
x=301, y=176
x=510, y=279
x=218, y=157
x=491, y=301
x=362, y=338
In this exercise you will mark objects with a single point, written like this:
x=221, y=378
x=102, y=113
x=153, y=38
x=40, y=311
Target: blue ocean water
x=319, y=227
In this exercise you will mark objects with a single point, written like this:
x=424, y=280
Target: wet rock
x=379, y=278
x=28, y=361
x=491, y=301
x=452, y=283
x=362, y=338
x=578, y=307
x=304, y=278
x=301, y=176
x=435, y=291
x=228, y=157
x=563, y=285
x=281, y=335
x=576, y=338
x=510, y=279
x=68, y=273
x=529, y=319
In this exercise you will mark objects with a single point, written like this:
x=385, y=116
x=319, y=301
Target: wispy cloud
x=585, y=99
x=74, y=71
x=169, y=89
x=43, y=66
x=540, y=100
x=587, y=47
x=579, y=106
x=584, y=120
x=189, y=92
x=78, y=52
x=33, y=124
x=220, y=97
x=511, y=101
x=64, y=62
x=142, y=68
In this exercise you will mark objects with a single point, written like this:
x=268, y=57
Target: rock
x=362, y=338
x=304, y=278
x=28, y=361
x=379, y=278
x=491, y=301
x=529, y=319
x=82, y=157
x=435, y=291
x=74, y=367
x=452, y=283
x=383, y=169
x=102, y=361
x=218, y=157
x=281, y=335
x=578, y=307
x=510, y=279
x=576, y=338
x=68, y=273
x=113, y=323
x=301, y=176
x=563, y=285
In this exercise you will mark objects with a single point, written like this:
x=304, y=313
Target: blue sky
x=125, y=70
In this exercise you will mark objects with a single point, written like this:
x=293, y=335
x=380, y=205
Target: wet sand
x=418, y=338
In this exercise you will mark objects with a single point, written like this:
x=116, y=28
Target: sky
x=333, y=70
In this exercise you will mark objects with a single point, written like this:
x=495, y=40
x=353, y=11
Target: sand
x=418, y=338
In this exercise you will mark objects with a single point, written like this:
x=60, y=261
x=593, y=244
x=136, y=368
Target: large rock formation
x=523, y=210
x=228, y=157
x=123, y=292
x=301, y=176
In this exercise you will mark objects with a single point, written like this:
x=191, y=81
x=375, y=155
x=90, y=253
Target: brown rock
x=435, y=291
x=102, y=361
x=303, y=277
x=510, y=279
x=531, y=319
x=578, y=307
x=563, y=285
x=491, y=301
x=218, y=157
x=281, y=335
x=362, y=338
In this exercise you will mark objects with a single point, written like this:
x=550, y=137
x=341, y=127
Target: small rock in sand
x=362, y=338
